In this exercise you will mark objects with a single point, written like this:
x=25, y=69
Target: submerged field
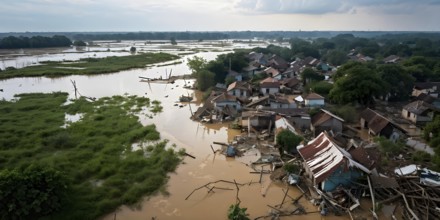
x=95, y=155
x=88, y=66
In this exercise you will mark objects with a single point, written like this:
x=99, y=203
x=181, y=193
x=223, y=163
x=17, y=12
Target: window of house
x=267, y=90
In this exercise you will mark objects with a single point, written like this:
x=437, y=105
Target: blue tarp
x=230, y=152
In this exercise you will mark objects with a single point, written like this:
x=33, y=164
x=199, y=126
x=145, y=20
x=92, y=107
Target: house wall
x=302, y=122
x=280, y=105
x=364, y=123
x=387, y=131
x=272, y=91
x=221, y=105
x=330, y=125
x=416, y=118
x=278, y=77
x=239, y=93
x=314, y=102
x=239, y=77
x=340, y=177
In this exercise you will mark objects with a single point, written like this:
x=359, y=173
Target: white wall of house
x=239, y=93
x=282, y=105
x=314, y=102
x=272, y=91
x=221, y=105
x=416, y=118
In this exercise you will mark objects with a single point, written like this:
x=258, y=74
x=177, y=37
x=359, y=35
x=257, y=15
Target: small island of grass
x=56, y=168
x=88, y=66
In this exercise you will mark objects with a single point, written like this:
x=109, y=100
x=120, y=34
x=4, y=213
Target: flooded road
x=174, y=124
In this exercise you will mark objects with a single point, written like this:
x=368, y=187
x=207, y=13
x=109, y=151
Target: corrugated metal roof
x=323, y=157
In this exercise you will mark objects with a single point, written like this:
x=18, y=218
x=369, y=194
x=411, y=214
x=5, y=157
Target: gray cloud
x=327, y=6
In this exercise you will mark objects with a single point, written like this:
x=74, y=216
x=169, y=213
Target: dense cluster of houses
x=336, y=154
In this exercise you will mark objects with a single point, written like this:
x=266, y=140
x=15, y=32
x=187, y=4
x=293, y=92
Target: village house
x=239, y=89
x=378, y=125
x=314, y=100
x=328, y=165
x=326, y=121
x=391, y=59
x=429, y=88
x=282, y=123
x=299, y=117
x=419, y=112
x=290, y=85
x=278, y=63
x=272, y=72
x=310, y=62
x=259, y=101
x=269, y=86
x=233, y=74
x=252, y=69
x=257, y=120
x=259, y=58
x=223, y=100
x=281, y=102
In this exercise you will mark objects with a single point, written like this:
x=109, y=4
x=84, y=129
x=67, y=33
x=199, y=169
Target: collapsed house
x=378, y=125
x=328, y=165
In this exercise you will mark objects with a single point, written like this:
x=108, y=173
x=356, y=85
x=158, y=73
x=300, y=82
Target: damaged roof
x=224, y=97
x=239, y=85
x=419, y=107
x=324, y=116
x=376, y=122
x=323, y=157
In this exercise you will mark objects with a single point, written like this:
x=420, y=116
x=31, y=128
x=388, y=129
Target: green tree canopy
x=196, y=64
x=310, y=75
x=205, y=80
x=79, y=43
x=173, y=41
x=358, y=83
x=288, y=141
x=398, y=82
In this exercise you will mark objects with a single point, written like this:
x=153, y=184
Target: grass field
x=95, y=153
x=89, y=66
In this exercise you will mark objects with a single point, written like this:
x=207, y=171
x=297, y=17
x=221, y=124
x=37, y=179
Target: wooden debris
x=212, y=188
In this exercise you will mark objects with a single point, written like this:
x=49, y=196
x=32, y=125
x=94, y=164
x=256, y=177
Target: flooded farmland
x=173, y=124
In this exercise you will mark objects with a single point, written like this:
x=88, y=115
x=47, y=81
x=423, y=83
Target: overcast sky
x=218, y=15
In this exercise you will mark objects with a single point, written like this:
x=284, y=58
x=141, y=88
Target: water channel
x=173, y=124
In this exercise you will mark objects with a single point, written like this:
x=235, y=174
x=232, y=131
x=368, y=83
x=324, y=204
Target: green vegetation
x=388, y=148
x=89, y=66
x=347, y=112
x=12, y=42
x=42, y=189
x=173, y=41
x=309, y=76
x=79, y=43
x=292, y=168
x=97, y=155
x=356, y=83
x=237, y=213
x=215, y=71
x=288, y=141
x=321, y=87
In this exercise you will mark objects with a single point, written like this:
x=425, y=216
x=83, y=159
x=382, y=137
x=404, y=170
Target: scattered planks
x=211, y=188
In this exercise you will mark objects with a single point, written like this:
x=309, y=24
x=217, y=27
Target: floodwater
x=174, y=124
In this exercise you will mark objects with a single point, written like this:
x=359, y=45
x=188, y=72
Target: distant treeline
x=12, y=42
x=216, y=35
